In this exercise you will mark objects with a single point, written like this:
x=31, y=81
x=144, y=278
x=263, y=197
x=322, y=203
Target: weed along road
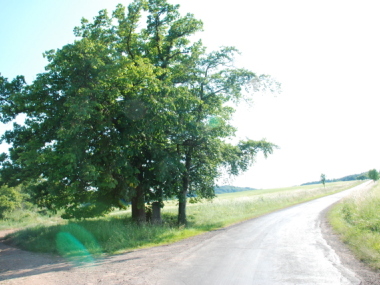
x=285, y=247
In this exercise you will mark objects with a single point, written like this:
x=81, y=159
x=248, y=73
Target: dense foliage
x=127, y=113
x=373, y=174
x=13, y=198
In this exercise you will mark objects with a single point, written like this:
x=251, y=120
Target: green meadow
x=116, y=232
x=357, y=220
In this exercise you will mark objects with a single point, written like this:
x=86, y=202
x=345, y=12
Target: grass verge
x=116, y=233
x=357, y=220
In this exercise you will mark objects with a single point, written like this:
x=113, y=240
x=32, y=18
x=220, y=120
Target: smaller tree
x=10, y=199
x=373, y=174
x=323, y=179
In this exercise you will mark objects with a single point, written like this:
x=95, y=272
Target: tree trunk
x=138, y=206
x=182, y=198
x=182, y=220
x=156, y=213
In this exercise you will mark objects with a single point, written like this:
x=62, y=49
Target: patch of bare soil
x=22, y=267
x=365, y=273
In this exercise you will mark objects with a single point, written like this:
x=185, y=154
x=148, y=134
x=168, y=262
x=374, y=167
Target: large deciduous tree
x=127, y=113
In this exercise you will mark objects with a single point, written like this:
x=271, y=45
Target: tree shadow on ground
x=16, y=263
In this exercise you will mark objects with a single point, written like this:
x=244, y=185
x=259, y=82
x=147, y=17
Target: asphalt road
x=285, y=247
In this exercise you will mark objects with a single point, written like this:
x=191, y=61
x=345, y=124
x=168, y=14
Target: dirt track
x=22, y=267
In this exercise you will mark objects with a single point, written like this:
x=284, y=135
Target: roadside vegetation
x=18, y=211
x=357, y=220
x=117, y=232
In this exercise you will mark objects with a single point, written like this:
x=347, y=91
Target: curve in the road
x=284, y=247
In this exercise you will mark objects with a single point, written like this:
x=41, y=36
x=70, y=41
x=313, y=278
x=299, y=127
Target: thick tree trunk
x=138, y=206
x=182, y=198
x=182, y=219
x=156, y=213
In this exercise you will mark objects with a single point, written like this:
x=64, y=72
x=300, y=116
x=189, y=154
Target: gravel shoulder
x=136, y=267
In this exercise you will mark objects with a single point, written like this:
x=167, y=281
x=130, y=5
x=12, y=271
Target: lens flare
x=77, y=245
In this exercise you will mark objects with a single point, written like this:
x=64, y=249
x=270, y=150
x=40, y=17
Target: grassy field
x=116, y=233
x=27, y=218
x=357, y=219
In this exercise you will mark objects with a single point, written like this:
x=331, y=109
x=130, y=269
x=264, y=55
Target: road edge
x=367, y=275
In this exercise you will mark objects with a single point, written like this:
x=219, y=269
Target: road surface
x=284, y=247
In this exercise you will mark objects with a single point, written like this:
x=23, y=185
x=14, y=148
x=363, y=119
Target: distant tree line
x=361, y=176
x=231, y=189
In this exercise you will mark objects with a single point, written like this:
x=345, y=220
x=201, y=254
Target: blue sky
x=325, y=54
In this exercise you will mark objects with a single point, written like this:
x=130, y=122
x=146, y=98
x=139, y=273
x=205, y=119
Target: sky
x=324, y=53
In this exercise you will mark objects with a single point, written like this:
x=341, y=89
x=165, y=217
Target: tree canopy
x=127, y=113
x=323, y=179
x=373, y=174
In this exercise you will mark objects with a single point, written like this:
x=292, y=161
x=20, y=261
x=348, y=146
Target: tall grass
x=26, y=218
x=116, y=233
x=357, y=219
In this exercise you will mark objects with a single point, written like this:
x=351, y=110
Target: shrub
x=10, y=199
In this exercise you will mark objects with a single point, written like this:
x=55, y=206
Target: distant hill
x=361, y=176
x=231, y=189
